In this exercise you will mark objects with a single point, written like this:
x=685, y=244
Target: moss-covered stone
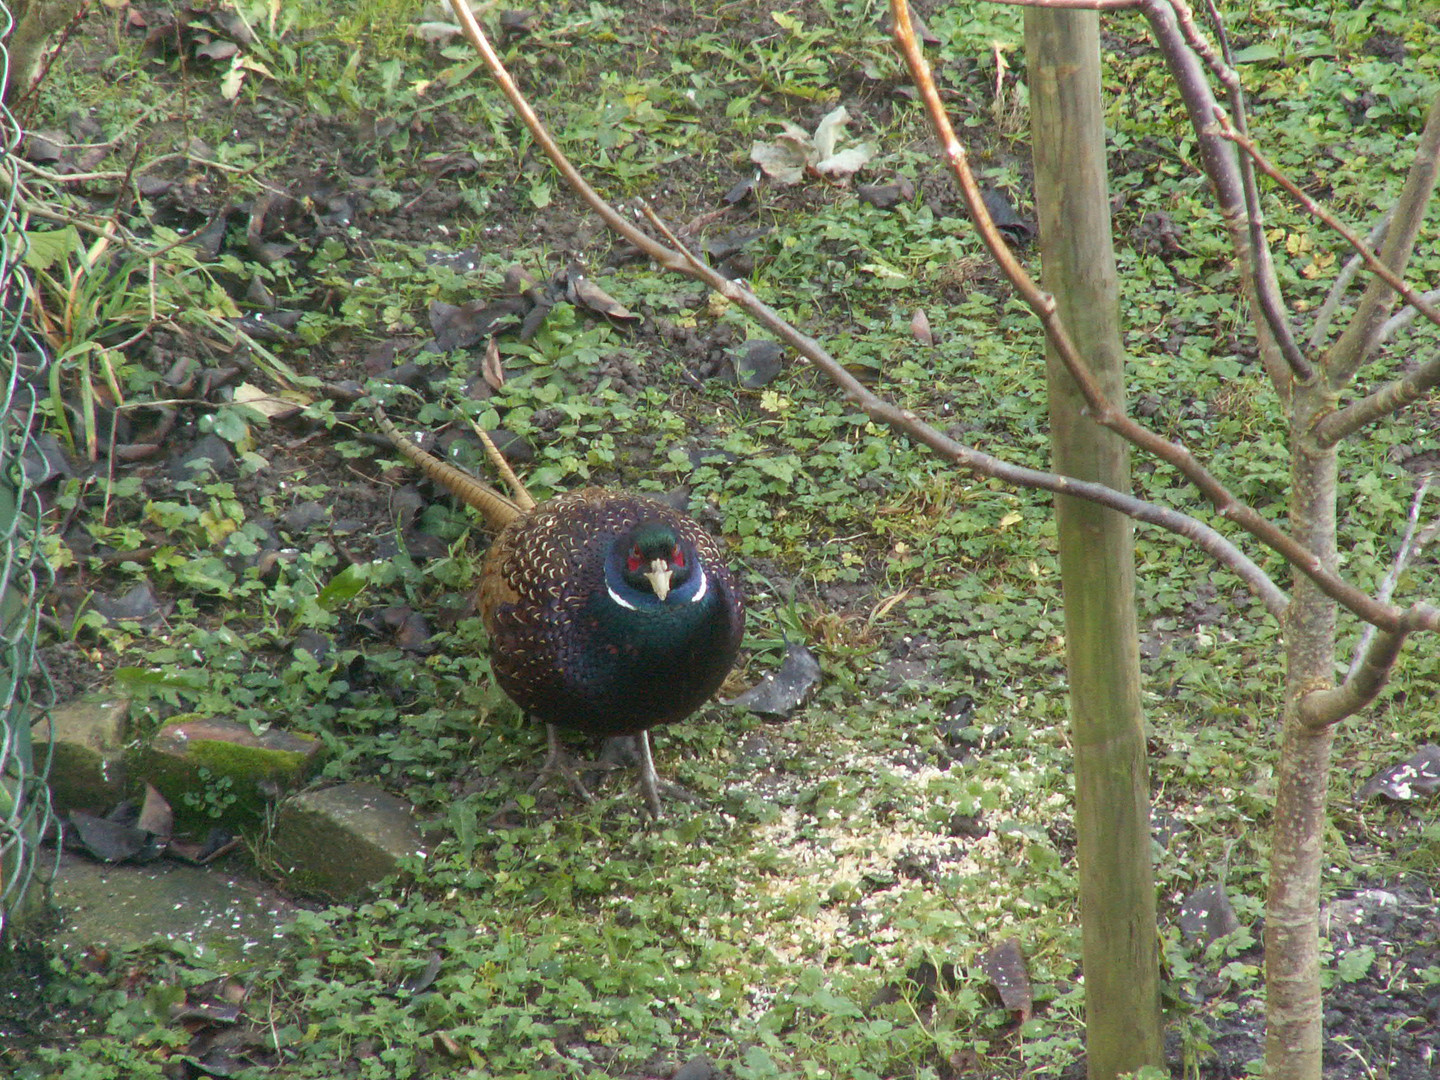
x=220, y=773
x=86, y=741
x=341, y=841
x=229, y=914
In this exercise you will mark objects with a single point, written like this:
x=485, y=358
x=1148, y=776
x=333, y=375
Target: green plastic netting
x=25, y=692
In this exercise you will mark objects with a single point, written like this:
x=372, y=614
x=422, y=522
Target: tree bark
x=35, y=21
x=1112, y=811
x=1294, y=1032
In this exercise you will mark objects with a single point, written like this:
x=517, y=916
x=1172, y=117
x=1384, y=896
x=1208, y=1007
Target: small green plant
x=215, y=796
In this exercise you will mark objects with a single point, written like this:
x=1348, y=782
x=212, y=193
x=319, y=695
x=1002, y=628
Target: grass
x=786, y=928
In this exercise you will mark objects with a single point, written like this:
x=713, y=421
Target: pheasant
x=609, y=613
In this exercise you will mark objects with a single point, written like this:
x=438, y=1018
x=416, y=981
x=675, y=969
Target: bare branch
x=1320, y=709
x=1100, y=408
x=1266, y=287
x=1362, y=336
x=1404, y=317
x=1326, y=311
x=1392, y=577
x=1184, y=48
x=1076, y=5
x=1203, y=536
x=680, y=260
x=909, y=424
x=1386, y=401
x=1372, y=260
x=1377, y=651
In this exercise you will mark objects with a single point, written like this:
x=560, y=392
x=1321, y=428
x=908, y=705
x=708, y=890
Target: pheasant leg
x=651, y=786
x=558, y=762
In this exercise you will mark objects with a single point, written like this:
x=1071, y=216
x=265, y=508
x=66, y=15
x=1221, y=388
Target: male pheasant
x=609, y=613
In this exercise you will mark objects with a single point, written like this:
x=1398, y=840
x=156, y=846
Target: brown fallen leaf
x=491, y=368
x=583, y=292
x=156, y=817
x=920, y=328
x=1005, y=966
x=458, y=326
x=270, y=406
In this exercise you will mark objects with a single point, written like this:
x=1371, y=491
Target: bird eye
x=677, y=557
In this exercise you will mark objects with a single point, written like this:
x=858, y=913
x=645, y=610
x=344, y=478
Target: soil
x=316, y=195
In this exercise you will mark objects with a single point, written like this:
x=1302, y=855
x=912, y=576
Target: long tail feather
x=497, y=510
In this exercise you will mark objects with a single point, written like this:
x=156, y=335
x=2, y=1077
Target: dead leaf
x=423, y=980
x=1417, y=775
x=743, y=190
x=108, y=841
x=437, y=33
x=491, y=368
x=840, y=167
x=920, y=328
x=460, y=326
x=1005, y=966
x=783, y=162
x=267, y=405
x=795, y=152
x=217, y=50
x=780, y=692
x=886, y=196
x=829, y=130
x=156, y=816
x=449, y=1045
x=201, y=852
x=583, y=292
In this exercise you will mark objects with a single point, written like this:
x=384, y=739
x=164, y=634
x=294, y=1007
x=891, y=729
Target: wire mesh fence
x=25, y=691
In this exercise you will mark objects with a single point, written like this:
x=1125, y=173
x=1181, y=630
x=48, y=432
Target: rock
x=1375, y=909
x=129, y=906
x=697, y=1068
x=1206, y=914
x=215, y=453
x=339, y=842
x=220, y=773
x=86, y=738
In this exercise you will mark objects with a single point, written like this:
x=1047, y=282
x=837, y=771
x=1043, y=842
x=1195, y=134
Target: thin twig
x=1392, y=577
x=1326, y=311
x=62, y=179
x=1320, y=709
x=1378, y=404
x=1265, y=281
x=1372, y=259
x=1188, y=55
x=1404, y=317
x=1361, y=337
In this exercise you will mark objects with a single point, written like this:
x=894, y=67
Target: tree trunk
x=1112, y=810
x=1293, y=1025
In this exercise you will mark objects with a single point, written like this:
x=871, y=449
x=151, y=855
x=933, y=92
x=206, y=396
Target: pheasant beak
x=659, y=575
